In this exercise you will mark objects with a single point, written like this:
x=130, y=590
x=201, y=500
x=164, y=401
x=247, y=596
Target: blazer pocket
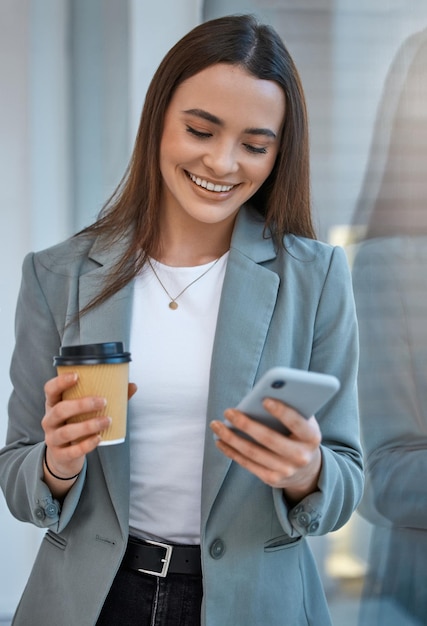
x=282, y=542
x=55, y=540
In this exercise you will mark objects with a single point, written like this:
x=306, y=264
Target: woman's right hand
x=67, y=444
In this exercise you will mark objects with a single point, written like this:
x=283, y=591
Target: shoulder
x=60, y=255
x=305, y=250
x=295, y=253
x=312, y=260
x=65, y=258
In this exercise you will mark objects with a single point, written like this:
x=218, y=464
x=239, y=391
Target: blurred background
x=73, y=75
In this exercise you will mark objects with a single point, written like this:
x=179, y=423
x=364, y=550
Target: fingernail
x=268, y=402
x=104, y=422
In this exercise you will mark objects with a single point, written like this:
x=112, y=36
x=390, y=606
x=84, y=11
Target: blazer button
x=304, y=519
x=39, y=513
x=52, y=509
x=313, y=527
x=217, y=549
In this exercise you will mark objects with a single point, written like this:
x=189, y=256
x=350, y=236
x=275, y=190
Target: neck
x=184, y=247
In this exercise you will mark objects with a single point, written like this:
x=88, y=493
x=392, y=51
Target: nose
x=221, y=159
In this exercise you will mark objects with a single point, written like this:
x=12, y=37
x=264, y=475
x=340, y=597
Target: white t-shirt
x=171, y=356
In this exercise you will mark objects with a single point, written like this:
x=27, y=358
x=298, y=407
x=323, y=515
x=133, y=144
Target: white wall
x=31, y=123
x=154, y=29
x=99, y=103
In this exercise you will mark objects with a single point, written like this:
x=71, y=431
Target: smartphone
x=304, y=391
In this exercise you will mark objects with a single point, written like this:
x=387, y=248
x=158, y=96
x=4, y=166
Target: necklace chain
x=173, y=301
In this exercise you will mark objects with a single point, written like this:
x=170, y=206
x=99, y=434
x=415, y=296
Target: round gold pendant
x=173, y=305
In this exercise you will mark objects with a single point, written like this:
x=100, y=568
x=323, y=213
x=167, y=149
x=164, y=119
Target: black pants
x=143, y=600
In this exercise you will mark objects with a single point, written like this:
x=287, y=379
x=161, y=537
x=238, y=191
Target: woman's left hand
x=290, y=462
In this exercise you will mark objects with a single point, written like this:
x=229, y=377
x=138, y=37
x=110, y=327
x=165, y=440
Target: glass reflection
x=390, y=282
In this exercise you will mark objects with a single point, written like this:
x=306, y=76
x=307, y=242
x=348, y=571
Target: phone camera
x=277, y=384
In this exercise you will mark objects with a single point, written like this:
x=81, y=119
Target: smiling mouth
x=205, y=184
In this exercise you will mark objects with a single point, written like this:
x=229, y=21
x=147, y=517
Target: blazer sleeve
x=335, y=350
x=37, y=340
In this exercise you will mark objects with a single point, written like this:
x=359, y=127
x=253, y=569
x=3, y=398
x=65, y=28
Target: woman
x=204, y=264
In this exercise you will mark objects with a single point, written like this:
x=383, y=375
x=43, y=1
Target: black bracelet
x=54, y=475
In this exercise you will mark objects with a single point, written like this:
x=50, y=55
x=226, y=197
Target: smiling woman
x=204, y=264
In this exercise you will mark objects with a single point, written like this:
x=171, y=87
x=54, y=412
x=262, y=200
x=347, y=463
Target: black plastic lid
x=92, y=354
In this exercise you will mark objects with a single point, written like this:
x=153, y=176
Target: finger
x=266, y=466
x=132, y=389
x=68, y=454
x=298, y=472
x=261, y=433
x=75, y=433
x=241, y=450
x=300, y=427
x=269, y=450
x=64, y=410
x=296, y=467
x=55, y=387
x=58, y=417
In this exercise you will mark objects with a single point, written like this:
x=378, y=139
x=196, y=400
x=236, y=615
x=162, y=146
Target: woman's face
x=220, y=141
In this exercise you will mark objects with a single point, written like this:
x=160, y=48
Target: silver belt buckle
x=166, y=561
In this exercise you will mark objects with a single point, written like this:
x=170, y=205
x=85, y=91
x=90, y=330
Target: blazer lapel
x=109, y=321
x=248, y=300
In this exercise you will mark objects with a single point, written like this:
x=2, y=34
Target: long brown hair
x=284, y=198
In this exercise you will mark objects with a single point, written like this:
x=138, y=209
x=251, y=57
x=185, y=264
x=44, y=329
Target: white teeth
x=209, y=186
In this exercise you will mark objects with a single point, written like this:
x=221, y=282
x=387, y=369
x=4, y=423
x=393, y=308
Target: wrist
x=55, y=475
x=306, y=484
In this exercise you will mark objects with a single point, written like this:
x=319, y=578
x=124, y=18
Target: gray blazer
x=293, y=308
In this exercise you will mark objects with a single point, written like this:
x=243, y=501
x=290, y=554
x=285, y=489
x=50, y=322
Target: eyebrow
x=209, y=117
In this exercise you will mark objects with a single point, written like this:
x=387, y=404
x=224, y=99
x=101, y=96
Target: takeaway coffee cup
x=103, y=370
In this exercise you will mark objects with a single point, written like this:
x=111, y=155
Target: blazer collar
x=248, y=236
x=110, y=321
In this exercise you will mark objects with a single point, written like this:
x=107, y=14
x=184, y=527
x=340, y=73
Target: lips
x=205, y=184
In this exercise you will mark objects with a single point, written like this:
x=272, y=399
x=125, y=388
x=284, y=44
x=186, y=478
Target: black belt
x=159, y=559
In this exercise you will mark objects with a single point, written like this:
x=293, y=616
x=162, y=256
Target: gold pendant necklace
x=173, y=304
